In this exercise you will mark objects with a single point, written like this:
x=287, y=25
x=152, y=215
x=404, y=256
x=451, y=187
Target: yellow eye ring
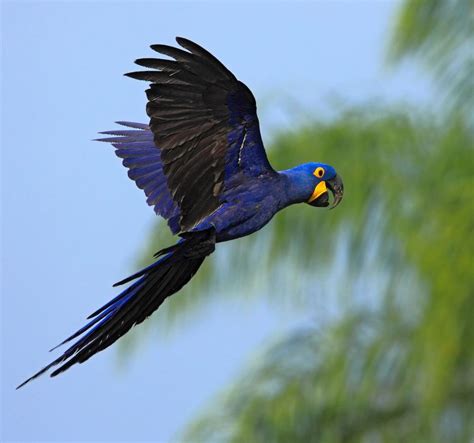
x=319, y=172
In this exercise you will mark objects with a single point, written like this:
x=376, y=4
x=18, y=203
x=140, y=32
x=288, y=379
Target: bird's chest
x=245, y=212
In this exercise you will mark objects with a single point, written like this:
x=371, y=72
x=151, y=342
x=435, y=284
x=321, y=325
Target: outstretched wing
x=143, y=160
x=204, y=123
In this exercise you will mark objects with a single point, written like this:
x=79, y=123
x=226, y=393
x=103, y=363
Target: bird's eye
x=319, y=172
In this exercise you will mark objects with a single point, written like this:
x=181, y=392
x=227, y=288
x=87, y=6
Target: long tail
x=155, y=283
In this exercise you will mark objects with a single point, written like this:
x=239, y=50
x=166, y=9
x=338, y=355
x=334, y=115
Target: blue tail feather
x=175, y=267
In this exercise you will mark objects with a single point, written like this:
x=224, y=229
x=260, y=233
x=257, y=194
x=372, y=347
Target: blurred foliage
x=394, y=360
x=355, y=382
x=399, y=370
x=441, y=34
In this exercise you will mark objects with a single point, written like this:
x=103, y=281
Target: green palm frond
x=440, y=34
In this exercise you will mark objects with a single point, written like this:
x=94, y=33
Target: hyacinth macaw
x=202, y=165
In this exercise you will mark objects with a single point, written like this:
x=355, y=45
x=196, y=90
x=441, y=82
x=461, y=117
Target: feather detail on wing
x=205, y=125
x=143, y=160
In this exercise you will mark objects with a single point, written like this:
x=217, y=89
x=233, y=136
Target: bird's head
x=322, y=178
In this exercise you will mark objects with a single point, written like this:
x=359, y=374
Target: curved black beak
x=336, y=186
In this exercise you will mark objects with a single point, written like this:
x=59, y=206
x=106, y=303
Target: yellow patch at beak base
x=318, y=190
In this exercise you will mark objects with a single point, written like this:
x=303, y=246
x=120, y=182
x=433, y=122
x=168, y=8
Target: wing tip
x=135, y=75
x=157, y=47
x=181, y=40
x=144, y=62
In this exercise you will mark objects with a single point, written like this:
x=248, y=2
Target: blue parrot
x=202, y=166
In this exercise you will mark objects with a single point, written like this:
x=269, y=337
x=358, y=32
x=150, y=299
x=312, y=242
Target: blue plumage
x=203, y=168
x=142, y=158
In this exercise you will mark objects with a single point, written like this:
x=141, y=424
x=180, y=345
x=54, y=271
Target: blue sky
x=72, y=223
